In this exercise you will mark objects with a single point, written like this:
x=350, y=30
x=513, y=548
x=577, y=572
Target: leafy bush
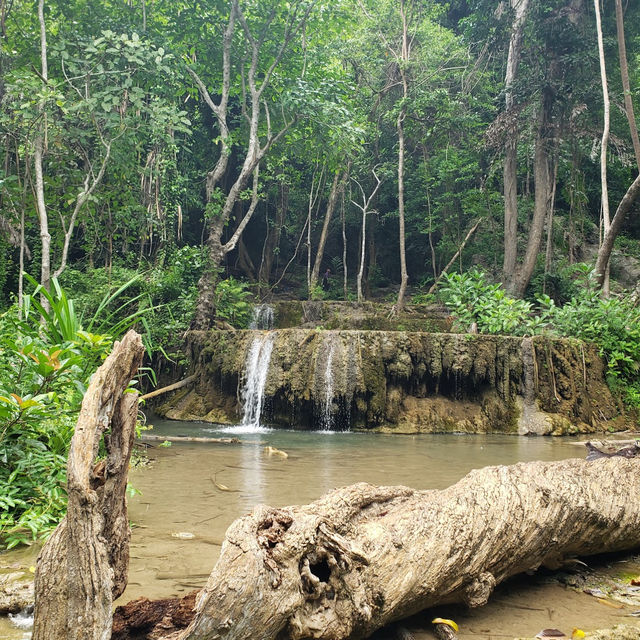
x=46, y=361
x=231, y=302
x=612, y=324
x=472, y=299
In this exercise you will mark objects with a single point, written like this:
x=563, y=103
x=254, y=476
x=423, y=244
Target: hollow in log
x=364, y=556
x=83, y=567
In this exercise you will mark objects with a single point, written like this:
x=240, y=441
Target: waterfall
x=326, y=419
x=262, y=317
x=256, y=370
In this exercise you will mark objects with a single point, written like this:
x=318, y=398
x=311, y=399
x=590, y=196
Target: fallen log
x=83, y=566
x=154, y=438
x=150, y=619
x=171, y=387
x=364, y=556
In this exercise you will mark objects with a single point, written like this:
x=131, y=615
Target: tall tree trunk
x=606, y=221
x=604, y=253
x=83, y=566
x=245, y=261
x=372, y=257
x=272, y=240
x=543, y=189
x=633, y=192
x=626, y=86
x=405, y=57
x=363, y=245
x=337, y=186
x=548, y=255
x=345, y=289
x=43, y=219
x=404, y=276
x=510, y=172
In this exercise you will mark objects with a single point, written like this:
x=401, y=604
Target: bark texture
x=520, y=8
x=151, y=619
x=83, y=567
x=364, y=556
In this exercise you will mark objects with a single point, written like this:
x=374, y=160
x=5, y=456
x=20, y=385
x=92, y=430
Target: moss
x=411, y=381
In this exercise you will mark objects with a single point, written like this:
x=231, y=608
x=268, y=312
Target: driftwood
x=154, y=438
x=364, y=556
x=83, y=567
x=171, y=387
x=150, y=619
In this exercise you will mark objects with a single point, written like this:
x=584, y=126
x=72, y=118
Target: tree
x=255, y=82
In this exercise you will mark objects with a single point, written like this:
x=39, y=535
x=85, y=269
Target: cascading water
x=256, y=370
x=326, y=419
x=262, y=317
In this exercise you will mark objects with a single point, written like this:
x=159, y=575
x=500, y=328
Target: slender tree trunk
x=404, y=276
x=458, y=253
x=344, y=250
x=633, y=192
x=543, y=189
x=337, y=187
x=548, y=256
x=604, y=253
x=272, y=241
x=510, y=171
x=405, y=57
x=606, y=221
x=363, y=245
x=45, y=237
x=245, y=261
x=372, y=256
x=626, y=86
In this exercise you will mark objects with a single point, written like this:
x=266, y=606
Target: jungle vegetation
x=166, y=163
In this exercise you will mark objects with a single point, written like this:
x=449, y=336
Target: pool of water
x=193, y=491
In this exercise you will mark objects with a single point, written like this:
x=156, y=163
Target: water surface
x=193, y=491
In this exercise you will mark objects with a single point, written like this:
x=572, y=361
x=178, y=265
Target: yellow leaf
x=449, y=623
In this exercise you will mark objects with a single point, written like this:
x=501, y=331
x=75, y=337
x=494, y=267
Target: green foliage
x=46, y=361
x=474, y=300
x=612, y=324
x=231, y=302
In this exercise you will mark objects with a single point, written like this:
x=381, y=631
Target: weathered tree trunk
x=364, y=556
x=510, y=172
x=543, y=174
x=144, y=618
x=626, y=85
x=337, y=186
x=83, y=567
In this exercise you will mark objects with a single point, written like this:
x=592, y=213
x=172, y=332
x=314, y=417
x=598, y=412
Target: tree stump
x=83, y=567
x=364, y=556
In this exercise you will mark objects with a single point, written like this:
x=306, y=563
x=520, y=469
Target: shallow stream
x=193, y=491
